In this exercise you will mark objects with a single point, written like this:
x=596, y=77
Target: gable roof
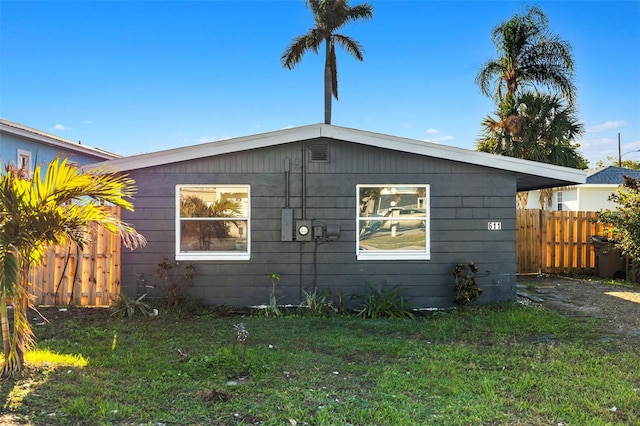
x=45, y=138
x=611, y=175
x=529, y=174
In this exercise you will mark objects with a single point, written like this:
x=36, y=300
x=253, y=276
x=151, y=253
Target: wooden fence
x=89, y=277
x=556, y=242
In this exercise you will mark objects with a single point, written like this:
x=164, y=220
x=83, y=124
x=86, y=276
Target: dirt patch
x=617, y=304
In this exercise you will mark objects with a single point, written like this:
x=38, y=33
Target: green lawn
x=508, y=365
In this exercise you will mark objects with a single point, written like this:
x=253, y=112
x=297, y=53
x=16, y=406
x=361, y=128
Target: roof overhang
x=530, y=175
x=16, y=129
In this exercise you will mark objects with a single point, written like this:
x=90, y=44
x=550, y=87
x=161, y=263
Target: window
x=559, y=201
x=24, y=160
x=393, y=222
x=212, y=222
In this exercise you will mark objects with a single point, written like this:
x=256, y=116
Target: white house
x=593, y=195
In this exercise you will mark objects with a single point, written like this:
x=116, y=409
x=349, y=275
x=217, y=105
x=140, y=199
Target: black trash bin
x=609, y=262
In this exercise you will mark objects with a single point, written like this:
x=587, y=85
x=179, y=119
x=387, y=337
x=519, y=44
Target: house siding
x=463, y=199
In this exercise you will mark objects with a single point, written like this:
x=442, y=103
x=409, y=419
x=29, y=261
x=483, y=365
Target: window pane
x=393, y=222
x=393, y=235
x=214, y=202
x=378, y=201
x=213, y=235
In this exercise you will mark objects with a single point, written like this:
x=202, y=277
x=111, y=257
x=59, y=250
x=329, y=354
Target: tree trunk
x=4, y=318
x=328, y=83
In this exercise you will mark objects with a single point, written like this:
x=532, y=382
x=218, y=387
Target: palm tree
x=540, y=128
x=530, y=55
x=38, y=213
x=330, y=16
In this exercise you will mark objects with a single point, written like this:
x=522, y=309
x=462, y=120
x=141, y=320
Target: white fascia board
x=209, y=149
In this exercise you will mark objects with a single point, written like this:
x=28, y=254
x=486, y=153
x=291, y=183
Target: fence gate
x=556, y=242
x=71, y=276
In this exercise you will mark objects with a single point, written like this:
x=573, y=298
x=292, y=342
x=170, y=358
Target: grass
x=506, y=365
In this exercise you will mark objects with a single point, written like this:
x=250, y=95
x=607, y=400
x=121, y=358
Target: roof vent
x=319, y=152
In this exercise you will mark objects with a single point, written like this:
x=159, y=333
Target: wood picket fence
x=556, y=241
x=71, y=276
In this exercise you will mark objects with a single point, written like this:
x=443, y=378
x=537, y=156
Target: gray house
x=328, y=207
x=28, y=147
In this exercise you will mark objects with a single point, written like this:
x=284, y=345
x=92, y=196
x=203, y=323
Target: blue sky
x=140, y=76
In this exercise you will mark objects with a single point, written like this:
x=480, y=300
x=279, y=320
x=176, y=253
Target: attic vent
x=320, y=152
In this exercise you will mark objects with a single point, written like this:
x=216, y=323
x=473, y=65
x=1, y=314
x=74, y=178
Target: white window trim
x=211, y=255
x=397, y=254
x=23, y=153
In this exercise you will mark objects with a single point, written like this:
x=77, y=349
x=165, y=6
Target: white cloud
x=608, y=125
x=287, y=127
x=431, y=131
x=59, y=127
x=406, y=125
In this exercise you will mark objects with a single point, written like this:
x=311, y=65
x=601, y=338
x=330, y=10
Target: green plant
x=272, y=309
x=175, y=280
x=129, y=308
x=625, y=219
x=242, y=336
x=386, y=302
x=318, y=304
x=466, y=284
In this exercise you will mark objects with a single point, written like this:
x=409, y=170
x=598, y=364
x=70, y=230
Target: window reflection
x=392, y=218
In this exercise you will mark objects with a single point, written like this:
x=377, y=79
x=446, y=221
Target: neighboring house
x=593, y=195
x=330, y=208
x=26, y=147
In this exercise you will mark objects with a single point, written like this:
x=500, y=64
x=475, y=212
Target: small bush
x=385, y=303
x=176, y=278
x=466, y=284
x=126, y=307
x=318, y=304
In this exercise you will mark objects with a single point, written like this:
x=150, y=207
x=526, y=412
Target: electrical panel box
x=286, y=226
x=318, y=232
x=303, y=230
x=333, y=232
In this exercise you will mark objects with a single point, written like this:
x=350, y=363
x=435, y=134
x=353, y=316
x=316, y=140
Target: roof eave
x=530, y=175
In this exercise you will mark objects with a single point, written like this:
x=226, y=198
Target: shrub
x=129, y=308
x=318, y=304
x=175, y=280
x=386, y=302
x=466, y=284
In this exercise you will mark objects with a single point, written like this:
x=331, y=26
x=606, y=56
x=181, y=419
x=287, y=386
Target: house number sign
x=495, y=226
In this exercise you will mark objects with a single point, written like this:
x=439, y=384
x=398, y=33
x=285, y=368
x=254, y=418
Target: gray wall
x=463, y=199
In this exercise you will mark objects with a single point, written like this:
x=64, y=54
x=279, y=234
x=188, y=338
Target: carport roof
x=530, y=175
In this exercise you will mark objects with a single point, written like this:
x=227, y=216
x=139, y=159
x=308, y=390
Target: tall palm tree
x=38, y=213
x=330, y=16
x=530, y=56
